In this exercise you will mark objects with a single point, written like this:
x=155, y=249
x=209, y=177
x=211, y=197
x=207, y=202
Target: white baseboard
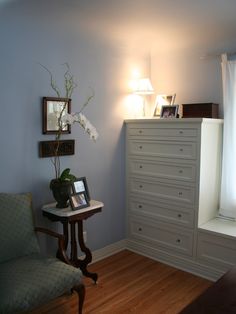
x=179, y=262
x=109, y=250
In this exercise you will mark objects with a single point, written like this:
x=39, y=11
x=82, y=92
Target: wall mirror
x=52, y=107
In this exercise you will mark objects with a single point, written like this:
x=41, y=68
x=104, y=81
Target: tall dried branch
x=70, y=84
x=87, y=101
x=52, y=81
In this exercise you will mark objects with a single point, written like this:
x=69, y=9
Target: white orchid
x=68, y=118
x=83, y=121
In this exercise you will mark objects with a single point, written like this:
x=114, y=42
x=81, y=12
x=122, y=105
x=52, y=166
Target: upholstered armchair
x=27, y=278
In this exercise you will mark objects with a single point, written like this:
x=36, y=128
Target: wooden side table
x=75, y=217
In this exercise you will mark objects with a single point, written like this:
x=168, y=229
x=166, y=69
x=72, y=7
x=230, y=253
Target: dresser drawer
x=216, y=250
x=166, y=149
x=163, y=130
x=169, y=192
x=163, y=169
x=161, y=212
x=165, y=236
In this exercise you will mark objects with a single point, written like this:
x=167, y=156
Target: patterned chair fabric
x=27, y=279
x=16, y=226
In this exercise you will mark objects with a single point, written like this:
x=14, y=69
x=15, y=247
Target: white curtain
x=228, y=182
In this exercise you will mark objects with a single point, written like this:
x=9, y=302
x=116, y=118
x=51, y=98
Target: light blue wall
x=32, y=32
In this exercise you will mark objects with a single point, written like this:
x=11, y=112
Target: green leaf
x=71, y=177
x=67, y=176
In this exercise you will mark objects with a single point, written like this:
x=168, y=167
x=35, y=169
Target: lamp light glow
x=143, y=87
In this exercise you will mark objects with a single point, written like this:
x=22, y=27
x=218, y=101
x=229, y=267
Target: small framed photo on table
x=169, y=111
x=78, y=201
x=80, y=185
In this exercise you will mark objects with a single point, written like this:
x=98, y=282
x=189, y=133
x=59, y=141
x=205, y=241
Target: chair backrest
x=17, y=236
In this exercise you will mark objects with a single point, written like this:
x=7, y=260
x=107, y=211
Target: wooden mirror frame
x=47, y=102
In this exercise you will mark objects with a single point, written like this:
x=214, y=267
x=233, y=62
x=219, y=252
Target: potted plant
x=61, y=184
x=61, y=188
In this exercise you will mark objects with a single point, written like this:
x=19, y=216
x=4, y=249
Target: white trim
x=109, y=250
x=179, y=262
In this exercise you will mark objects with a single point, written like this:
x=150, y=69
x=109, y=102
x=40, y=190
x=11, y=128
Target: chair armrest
x=61, y=242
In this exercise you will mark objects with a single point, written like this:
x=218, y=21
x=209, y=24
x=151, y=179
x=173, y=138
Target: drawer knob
x=140, y=186
x=181, y=132
x=178, y=241
x=180, y=171
x=181, y=150
x=140, y=131
x=139, y=229
x=180, y=193
x=140, y=206
x=140, y=167
x=179, y=215
x=140, y=147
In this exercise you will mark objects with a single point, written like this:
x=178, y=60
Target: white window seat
x=220, y=226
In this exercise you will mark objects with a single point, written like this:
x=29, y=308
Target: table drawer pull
x=178, y=241
x=140, y=167
x=140, y=131
x=179, y=216
x=140, y=206
x=140, y=186
x=140, y=229
x=180, y=193
x=140, y=147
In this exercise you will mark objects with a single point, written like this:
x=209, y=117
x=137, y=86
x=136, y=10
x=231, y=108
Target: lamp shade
x=143, y=86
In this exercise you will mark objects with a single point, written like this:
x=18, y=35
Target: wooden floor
x=131, y=283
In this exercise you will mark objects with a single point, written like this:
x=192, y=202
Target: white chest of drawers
x=172, y=175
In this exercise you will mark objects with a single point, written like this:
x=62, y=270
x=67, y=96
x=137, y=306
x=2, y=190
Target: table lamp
x=143, y=87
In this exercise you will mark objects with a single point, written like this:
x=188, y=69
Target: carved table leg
x=82, y=264
x=65, y=233
x=73, y=243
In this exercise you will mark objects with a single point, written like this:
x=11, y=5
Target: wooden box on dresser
x=173, y=169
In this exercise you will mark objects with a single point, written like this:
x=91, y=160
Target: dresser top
x=175, y=120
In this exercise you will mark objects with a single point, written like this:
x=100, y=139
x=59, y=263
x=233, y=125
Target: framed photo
x=170, y=99
x=80, y=185
x=78, y=201
x=163, y=100
x=52, y=108
x=169, y=111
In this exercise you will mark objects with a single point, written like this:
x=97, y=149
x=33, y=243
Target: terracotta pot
x=61, y=191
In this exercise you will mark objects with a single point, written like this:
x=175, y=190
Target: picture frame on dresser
x=169, y=111
x=163, y=100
